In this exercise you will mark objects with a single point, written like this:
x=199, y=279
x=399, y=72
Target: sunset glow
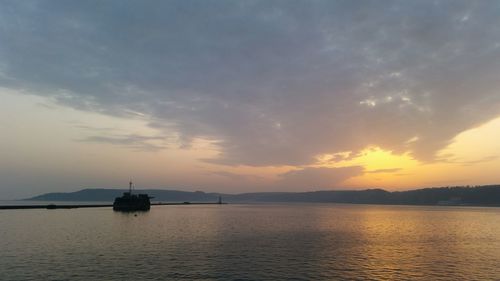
x=248, y=96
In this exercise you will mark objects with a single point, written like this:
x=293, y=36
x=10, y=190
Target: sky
x=247, y=96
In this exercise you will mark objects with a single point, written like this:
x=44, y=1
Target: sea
x=252, y=242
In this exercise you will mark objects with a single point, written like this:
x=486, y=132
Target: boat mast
x=130, y=187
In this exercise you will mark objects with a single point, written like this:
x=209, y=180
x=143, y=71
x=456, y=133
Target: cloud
x=235, y=176
x=381, y=171
x=470, y=163
x=136, y=142
x=318, y=178
x=275, y=82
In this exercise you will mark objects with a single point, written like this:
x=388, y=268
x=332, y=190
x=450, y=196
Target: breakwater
x=74, y=206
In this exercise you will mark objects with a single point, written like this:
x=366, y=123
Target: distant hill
x=103, y=195
x=477, y=196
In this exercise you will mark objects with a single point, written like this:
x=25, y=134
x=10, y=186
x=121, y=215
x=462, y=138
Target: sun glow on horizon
x=470, y=159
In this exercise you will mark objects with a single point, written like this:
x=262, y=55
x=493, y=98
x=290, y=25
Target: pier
x=75, y=206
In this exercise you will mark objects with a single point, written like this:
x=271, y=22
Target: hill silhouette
x=460, y=195
x=103, y=195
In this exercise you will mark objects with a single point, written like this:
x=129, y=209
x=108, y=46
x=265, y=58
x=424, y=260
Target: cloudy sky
x=240, y=96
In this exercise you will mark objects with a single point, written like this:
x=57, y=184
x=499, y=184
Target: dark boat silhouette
x=129, y=202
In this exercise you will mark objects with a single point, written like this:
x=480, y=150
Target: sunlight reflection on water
x=256, y=242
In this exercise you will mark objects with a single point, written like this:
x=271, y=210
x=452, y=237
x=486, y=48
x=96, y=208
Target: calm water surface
x=252, y=242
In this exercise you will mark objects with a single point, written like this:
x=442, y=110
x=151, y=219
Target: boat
x=129, y=202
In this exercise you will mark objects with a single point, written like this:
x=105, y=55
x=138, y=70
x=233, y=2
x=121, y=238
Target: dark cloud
x=235, y=176
x=318, y=178
x=276, y=82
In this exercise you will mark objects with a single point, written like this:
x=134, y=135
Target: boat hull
x=131, y=202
